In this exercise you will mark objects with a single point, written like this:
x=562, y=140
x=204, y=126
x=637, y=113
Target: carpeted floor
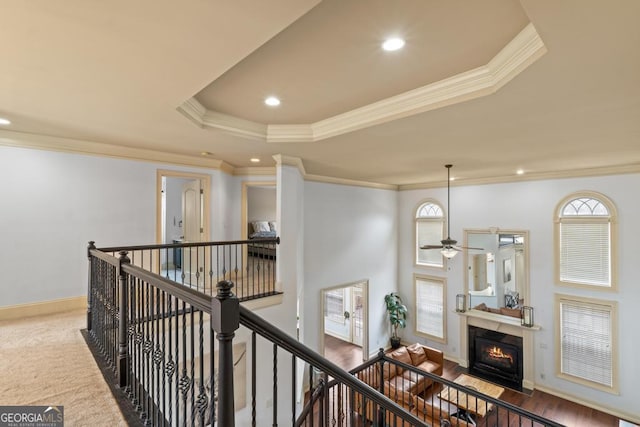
x=45, y=361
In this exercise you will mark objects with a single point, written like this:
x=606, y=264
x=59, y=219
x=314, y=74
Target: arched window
x=429, y=231
x=585, y=240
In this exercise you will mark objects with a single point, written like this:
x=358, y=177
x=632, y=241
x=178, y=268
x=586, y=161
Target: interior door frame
x=205, y=181
x=244, y=209
x=365, y=314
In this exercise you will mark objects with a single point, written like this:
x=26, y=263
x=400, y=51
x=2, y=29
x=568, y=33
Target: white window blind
x=585, y=252
x=429, y=233
x=429, y=230
x=430, y=307
x=586, y=341
x=334, y=305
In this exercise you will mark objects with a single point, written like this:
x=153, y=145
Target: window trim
x=443, y=282
x=612, y=219
x=416, y=220
x=613, y=309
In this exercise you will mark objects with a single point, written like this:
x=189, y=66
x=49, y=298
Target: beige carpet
x=45, y=361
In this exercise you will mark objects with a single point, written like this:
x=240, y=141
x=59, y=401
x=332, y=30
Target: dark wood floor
x=549, y=406
x=563, y=411
x=342, y=353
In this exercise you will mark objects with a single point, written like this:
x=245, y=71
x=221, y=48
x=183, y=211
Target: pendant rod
x=448, y=201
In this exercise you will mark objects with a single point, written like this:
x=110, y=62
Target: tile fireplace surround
x=506, y=325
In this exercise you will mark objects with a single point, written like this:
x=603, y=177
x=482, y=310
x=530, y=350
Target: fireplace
x=496, y=357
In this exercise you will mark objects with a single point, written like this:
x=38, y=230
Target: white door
x=357, y=308
x=193, y=258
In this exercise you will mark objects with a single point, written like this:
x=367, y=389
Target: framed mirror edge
x=526, y=293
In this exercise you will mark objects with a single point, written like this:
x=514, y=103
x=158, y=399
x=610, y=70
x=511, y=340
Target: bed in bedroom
x=259, y=231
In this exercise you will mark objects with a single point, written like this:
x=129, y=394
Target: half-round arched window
x=585, y=240
x=429, y=231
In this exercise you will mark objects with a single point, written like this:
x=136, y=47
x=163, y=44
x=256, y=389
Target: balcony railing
x=185, y=356
x=250, y=264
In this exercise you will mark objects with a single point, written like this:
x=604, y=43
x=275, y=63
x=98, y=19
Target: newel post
x=89, y=283
x=225, y=319
x=123, y=326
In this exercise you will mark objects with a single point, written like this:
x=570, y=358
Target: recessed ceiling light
x=4, y=122
x=254, y=160
x=520, y=171
x=272, y=101
x=393, y=43
x=453, y=178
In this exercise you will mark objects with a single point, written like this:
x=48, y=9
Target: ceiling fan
x=448, y=246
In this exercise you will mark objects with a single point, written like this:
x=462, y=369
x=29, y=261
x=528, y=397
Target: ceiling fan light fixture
x=448, y=252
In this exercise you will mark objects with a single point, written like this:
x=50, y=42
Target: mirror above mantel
x=497, y=277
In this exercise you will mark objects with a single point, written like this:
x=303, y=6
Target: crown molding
x=76, y=146
x=290, y=133
x=516, y=56
x=193, y=110
x=290, y=161
x=255, y=171
x=235, y=125
x=350, y=182
x=539, y=176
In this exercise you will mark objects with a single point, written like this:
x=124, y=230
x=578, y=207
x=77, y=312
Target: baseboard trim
x=588, y=403
x=43, y=307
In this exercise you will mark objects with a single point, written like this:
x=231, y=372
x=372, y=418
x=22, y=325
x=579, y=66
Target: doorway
x=182, y=216
x=344, y=338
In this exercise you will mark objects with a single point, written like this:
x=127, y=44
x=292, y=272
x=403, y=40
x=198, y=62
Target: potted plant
x=397, y=316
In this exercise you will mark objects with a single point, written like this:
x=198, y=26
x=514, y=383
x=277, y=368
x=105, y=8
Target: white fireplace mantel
x=498, y=318
x=506, y=325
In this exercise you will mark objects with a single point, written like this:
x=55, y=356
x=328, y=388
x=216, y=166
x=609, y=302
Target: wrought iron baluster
x=254, y=354
x=169, y=367
x=201, y=402
x=293, y=389
x=184, y=379
x=275, y=384
x=193, y=373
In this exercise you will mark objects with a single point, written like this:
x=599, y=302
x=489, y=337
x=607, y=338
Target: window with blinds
x=587, y=341
x=584, y=228
x=430, y=307
x=334, y=305
x=429, y=231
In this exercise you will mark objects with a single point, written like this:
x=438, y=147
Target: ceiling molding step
x=66, y=145
x=350, y=182
x=459, y=88
x=193, y=110
x=516, y=56
x=226, y=167
x=283, y=160
x=533, y=176
x=255, y=171
x=290, y=133
x=526, y=48
x=235, y=125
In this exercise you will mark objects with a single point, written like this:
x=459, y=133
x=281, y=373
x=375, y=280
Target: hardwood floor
x=565, y=412
x=342, y=353
x=554, y=408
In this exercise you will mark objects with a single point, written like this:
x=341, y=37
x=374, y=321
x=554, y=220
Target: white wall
x=54, y=203
x=350, y=236
x=261, y=203
x=530, y=206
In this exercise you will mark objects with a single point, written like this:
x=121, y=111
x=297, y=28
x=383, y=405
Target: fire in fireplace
x=495, y=356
